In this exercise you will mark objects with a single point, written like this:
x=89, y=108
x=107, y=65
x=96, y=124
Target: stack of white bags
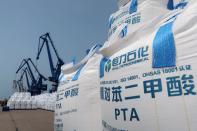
x=24, y=101
x=146, y=78
x=148, y=74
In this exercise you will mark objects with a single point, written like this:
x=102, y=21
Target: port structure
x=36, y=86
x=46, y=39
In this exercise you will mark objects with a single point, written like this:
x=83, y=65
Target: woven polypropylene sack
x=78, y=103
x=151, y=83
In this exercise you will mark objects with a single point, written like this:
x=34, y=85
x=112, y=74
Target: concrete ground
x=26, y=120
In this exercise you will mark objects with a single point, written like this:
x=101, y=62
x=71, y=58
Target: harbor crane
x=36, y=86
x=55, y=70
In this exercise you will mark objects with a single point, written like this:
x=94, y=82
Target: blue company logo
x=111, y=21
x=130, y=58
x=108, y=66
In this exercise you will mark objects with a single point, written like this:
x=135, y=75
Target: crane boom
x=55, y=71
x=36, y=85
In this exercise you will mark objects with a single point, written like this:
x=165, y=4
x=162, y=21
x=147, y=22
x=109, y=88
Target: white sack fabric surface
x=136, y=16
x=24, y=101
x=78, y=102
x=150, y=83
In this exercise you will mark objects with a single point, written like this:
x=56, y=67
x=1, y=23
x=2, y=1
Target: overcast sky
x=74, y=25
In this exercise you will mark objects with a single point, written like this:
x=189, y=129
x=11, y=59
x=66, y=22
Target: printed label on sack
x=167, y=82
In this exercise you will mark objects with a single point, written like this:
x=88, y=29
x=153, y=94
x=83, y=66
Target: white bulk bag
x=122, y=3
x=33, y=102
x=140, y=87
x=77, y=104
x=23, y=104
x=136, y=14
x=28, y=104
x=10, y=103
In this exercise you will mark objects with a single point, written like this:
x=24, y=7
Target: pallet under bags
x=150, y=84
x=78, y=102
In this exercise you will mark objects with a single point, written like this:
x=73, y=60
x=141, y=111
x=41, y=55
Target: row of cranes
x=35, y=82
